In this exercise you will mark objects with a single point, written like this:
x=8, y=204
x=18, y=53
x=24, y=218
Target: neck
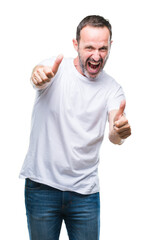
x=77, y=65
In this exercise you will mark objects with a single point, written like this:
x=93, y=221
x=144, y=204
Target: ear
x=110, y=44
x=75, y=44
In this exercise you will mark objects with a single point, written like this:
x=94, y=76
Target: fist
x=121, y=125
x=44, y=74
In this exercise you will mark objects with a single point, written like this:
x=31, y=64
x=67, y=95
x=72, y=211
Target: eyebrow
x=101, y=48
x=89, y=46
x=104, y=47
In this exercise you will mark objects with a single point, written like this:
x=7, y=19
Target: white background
x=35, y=30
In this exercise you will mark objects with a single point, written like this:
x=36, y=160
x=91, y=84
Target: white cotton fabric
x=67, y=130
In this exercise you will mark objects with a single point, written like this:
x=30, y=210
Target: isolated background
x=35, y=30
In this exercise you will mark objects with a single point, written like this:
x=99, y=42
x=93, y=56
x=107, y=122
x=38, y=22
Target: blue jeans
x=47, y=207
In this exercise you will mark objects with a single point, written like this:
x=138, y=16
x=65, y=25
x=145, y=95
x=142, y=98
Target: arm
x=42, y=75
x=119, y=128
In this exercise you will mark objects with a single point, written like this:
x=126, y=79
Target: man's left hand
x=121, y=125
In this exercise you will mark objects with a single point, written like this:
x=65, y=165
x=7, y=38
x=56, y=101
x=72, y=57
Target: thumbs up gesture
x=121, y=125
x=44, y=74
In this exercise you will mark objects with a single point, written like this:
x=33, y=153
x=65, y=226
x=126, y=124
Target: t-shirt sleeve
x=115, y=98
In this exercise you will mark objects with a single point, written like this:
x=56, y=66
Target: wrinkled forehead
x=94, y=35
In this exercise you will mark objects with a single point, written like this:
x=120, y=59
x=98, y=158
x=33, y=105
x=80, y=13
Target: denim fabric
x=47, y=207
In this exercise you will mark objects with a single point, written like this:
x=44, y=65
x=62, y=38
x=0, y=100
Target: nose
x=96, y=56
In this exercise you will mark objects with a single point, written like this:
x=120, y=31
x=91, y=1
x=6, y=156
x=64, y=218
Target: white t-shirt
x=68, y=124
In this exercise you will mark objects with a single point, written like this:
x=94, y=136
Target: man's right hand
x=44, y=74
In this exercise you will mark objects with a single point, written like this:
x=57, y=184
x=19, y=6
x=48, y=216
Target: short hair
x=94, y=21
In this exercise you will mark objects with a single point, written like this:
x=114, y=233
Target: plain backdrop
x=31, y=31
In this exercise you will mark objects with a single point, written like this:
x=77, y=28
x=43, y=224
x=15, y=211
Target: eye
x=89, y=48
x=104, y=49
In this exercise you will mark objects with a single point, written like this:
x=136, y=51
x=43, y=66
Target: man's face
x=93, y=50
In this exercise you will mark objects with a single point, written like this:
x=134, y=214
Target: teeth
x=94, y=63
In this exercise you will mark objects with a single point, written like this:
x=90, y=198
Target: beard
x=101, y=62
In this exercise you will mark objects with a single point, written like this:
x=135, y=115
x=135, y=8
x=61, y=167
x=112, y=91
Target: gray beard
x=84, y=71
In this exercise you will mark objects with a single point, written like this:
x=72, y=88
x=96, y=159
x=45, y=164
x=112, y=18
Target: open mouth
x=93, y=68
x=93, y=65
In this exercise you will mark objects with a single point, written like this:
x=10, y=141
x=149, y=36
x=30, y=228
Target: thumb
x=121, y=110
x=57, y=63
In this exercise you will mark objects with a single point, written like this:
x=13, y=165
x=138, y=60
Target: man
x=74, y=99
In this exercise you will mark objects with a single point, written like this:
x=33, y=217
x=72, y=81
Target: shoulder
x=109, y=80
